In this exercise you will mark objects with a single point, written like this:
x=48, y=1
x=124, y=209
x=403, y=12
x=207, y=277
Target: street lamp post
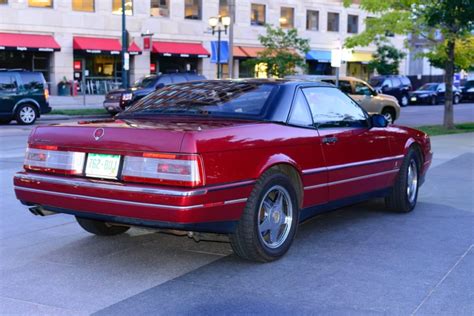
x=219, y=24
x=125, y=56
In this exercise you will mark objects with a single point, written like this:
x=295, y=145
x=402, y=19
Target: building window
x=83, y=5
x=333, y=22
x=287, y=17
x=117, y=7
x=353, y=24
x=312, y=20
x=257, y=14
x=160, y=8
x=223, y=7
x=41, y=3
x=192, y=9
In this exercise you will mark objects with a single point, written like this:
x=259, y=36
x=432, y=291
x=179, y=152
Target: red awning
x=179, y=49
x=95, y=45
x=28, y=42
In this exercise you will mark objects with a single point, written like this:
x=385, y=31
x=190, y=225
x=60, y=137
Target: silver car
x=363, y=93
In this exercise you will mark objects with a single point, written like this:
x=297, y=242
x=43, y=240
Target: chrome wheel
x=27, y=114
x=412, y=181
x=275, y=216
x=388, y=116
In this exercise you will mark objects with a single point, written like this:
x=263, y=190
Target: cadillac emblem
x=99, y=133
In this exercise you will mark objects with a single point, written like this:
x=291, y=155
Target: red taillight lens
x=170, y=169
x=49, y=159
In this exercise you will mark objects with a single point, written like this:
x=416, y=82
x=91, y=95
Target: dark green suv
x=23, y=96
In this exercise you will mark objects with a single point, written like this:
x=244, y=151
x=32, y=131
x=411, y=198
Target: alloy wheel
x=27, y=114
x=275, y=217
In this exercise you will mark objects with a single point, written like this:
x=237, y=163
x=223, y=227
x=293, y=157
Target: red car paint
x=234, y=154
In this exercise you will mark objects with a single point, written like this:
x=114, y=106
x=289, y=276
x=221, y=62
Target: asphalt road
x=357, y=260
x=418, y=115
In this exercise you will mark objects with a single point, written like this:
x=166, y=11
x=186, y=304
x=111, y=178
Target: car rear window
x=7, y=82
x=207, y=98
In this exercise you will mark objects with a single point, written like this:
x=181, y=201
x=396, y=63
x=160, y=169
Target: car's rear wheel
x=26, y=114
x=101, y=228
x=404, y=194
x=270, y=219
x=389, y=115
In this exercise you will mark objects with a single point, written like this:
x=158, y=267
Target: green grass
x=434, y=130
x=79, y=112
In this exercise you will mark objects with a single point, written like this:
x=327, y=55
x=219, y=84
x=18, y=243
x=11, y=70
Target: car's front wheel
x=100, y=228
x=26, y=114
x=270, y=219
x=404, y=194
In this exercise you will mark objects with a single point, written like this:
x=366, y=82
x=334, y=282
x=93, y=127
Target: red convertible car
x=247, y=158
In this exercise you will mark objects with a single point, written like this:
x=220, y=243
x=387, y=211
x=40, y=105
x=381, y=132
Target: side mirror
x=159, y=86
x=378, y=120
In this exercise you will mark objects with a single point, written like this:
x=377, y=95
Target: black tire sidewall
x=282, y=180
x=411, y=156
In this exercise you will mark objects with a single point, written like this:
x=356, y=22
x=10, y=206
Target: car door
x=8, y=92
x=357, y=156
x=364, y=95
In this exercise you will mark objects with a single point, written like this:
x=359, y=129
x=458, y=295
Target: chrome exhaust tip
x=40, y=211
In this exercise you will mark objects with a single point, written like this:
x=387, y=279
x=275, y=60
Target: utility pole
x=125, y=56
x=231, y=38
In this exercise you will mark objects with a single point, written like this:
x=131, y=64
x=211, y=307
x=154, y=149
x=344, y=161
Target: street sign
x=126, y=61
x=336, y=57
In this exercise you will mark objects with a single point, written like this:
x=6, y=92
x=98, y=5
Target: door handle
x=329, y=140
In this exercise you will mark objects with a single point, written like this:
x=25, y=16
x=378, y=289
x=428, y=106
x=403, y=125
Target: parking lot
x=357, y=260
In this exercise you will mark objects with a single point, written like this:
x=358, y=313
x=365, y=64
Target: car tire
x=456, y=99
x=404, y=100
x=26, y=114
x=269, y=222
x=389, y=114
x=404, y=194
x=100, y=228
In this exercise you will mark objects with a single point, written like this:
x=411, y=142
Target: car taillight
x=46, y=94
x=50, y=159
x=170, y=169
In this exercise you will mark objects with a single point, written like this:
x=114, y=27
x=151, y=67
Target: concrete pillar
x=61, y=63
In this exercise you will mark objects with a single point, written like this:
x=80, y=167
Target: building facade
x=81, y=39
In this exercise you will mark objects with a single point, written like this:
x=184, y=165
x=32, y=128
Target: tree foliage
x=454, y=19
x=283, y=51
x=386, y=59
x=463, y=55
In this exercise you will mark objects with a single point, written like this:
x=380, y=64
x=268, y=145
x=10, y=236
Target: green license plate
x=102, y=166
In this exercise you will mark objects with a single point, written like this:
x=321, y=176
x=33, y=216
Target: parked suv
x=398, y=86
x=23, y=96
x=117, y=100
x=468, y=90
x=363, y=93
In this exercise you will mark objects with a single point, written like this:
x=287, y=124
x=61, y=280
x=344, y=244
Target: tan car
x=363, y=93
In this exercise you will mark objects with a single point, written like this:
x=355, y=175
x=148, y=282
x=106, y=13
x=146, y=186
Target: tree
x=283, y=51
x=463, y=55
x=386, y=59
x=453, y=18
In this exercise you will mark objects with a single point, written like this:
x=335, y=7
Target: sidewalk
x=76, y=102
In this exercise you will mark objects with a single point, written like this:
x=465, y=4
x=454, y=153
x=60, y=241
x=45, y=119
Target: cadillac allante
x=247, y=158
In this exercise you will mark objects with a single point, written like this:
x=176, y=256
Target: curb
x=55, y=117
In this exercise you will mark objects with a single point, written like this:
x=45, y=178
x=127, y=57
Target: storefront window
x=312, y=20
x=223, y=7
x=192, y=9
x=160, y=8
x=352, y=24
x=257, y=14
x=117, y=7
x=83, y=5
x=333, y=22
x=41, y=3
x=287, y=17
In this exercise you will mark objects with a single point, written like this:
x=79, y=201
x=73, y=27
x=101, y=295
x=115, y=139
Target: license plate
x=102, y=166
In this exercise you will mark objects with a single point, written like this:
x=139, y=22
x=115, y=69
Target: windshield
x=428, y=87
x=376, y=82
x=217, y=98
x=144, y=82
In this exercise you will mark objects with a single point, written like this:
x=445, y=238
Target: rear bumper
x=210, y=209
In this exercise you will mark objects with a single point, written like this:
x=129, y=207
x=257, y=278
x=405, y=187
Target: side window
x=32, y=82
x=7, y=83
x=345, y=86
x=396, y=82
x=361, y=89
x=300, y=114
x=388, y=83
x=405, y=81
x=331, y=108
